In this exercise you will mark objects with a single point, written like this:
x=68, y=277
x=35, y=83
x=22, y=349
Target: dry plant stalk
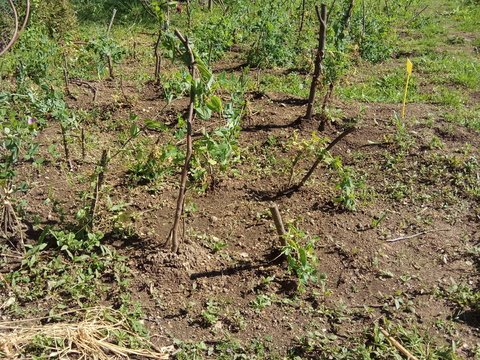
x=92, y=338
x=8, y=219
x=398, y=345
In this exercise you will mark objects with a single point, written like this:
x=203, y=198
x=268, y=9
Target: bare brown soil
x=365, y=273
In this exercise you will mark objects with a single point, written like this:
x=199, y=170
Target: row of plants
x=70, y=255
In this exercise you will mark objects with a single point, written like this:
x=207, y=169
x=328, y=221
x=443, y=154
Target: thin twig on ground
x=416, y=235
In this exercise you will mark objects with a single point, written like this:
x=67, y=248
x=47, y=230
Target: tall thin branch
x=158, y=58
x=322, y=17
x=302, y=19
x=183, y=183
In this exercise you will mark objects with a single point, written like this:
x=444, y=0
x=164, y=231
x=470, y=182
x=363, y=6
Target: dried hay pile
x=103, y=334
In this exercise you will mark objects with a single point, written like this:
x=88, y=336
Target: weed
x=435, y=143
x=260, y=302
x=377, y=221
x=209, y=316
x=348, y=186
x=215, y=245
x=302, y=259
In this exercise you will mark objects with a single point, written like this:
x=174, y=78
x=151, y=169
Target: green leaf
x=203, y=113
x=134, y=131
x=215, y=104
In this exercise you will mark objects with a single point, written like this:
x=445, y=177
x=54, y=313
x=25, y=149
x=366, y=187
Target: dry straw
x=95, y=337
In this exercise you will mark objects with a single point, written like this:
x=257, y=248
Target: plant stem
x=65, y=146
x=103, y=167
x=83, y=144
x=65, y=75
x=158, y=58
x=348, y=15
x=110, y=66
x=302, y=19
x=322, y=17
x=183, y=183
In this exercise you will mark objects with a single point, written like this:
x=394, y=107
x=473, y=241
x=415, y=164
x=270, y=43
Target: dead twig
x=317, y=162
x=93, y=88
x=398, y=345
x=416, y=235
x=12, y=256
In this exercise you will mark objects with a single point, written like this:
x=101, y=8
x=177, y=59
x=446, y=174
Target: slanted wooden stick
x=398, y=345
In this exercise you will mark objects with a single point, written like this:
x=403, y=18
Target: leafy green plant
x=303, y=149
x=191, y=350
x=209, y=316
x=17, y=134
x=215, y=245
x=260, y=302
x=348, y=186
x=108, y=51
x=270, y=47
x=152, y=165
x=435, y=143
x=301, y=259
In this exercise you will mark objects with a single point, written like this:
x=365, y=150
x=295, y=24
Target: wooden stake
x=111, y=21
x=277, y=219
